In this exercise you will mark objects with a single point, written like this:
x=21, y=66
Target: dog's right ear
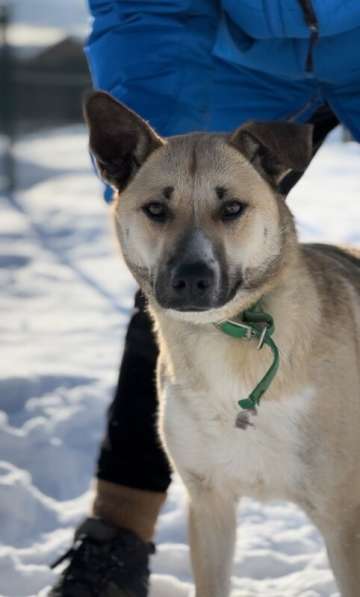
x=119, y=139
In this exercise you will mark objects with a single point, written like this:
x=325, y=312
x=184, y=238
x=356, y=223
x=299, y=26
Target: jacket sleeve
x=155, y=56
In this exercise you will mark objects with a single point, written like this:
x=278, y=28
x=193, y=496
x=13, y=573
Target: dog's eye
x=232, y=210
x=156, y=211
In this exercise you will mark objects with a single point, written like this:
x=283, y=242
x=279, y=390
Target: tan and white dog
x=206, y=234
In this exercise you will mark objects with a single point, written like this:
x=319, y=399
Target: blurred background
x=43, y=71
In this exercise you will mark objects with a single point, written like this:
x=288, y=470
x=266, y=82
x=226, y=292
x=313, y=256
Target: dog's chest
x=264, y=460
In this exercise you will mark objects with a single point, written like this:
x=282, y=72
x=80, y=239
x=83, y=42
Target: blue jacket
x=210, y=64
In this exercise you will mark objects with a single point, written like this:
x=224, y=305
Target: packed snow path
x=65, y=301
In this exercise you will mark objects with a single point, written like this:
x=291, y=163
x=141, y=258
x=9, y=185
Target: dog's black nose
x=192, y=284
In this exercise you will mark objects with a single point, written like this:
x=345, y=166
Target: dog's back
x=332, y=265
x=348, y=257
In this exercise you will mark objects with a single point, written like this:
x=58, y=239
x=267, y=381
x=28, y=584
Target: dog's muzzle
x=190, y=286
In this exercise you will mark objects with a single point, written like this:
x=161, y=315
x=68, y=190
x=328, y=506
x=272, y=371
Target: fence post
x=7, y=100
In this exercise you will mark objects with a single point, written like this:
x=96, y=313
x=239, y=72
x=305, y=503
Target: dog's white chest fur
x=264, y=460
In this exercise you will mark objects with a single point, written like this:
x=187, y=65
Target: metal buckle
x=248, y=328
x=262, y=338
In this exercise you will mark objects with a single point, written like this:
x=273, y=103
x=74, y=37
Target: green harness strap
x=251, y=327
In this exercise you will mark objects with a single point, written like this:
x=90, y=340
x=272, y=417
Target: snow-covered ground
x=64, y=304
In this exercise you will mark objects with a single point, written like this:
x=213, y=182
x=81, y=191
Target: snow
x=64, y=306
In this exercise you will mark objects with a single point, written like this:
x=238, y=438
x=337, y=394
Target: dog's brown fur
x=305, y=445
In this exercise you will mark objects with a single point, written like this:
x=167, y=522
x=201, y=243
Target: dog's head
x=200, y=220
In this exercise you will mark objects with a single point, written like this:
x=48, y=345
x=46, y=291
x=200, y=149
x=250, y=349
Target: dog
x=209, y=238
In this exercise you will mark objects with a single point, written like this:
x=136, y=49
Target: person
x=188, y=65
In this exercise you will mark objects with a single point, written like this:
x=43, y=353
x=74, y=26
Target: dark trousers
x=131, y=453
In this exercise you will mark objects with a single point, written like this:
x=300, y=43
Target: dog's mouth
x=190, y=308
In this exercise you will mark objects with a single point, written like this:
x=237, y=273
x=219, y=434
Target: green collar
x=250, y=327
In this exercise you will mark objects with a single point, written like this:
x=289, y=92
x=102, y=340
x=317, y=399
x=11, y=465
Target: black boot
x=104, y=561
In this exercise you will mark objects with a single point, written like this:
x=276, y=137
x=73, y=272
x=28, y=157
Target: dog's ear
x=275, y=148
x=120, y=140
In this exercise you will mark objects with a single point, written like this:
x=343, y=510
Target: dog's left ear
x=120, y=140
x=275, y=148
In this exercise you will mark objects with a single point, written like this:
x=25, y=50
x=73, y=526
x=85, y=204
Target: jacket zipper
x=313, y=25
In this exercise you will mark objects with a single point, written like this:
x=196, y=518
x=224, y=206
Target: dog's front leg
x=342, y=540
x=212, y=515
x=344, y=555
x=212, y=526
